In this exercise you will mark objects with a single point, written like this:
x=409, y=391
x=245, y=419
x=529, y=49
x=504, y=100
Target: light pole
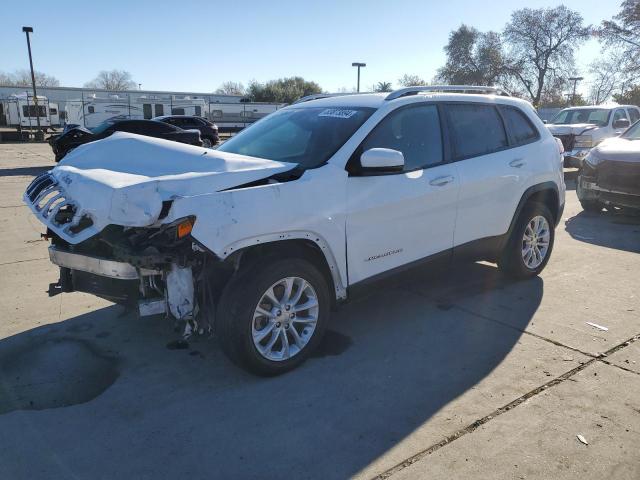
x=358, y=64
x=575, y=81
x=39, y=135
x=139, y=86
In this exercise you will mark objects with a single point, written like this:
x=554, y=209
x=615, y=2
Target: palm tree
x=383, y=87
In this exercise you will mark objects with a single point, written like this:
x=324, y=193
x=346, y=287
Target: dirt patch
x=53, y=374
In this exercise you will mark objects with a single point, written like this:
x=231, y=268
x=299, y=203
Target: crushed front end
x=154, y=270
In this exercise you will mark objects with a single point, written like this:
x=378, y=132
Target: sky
x=195, y=45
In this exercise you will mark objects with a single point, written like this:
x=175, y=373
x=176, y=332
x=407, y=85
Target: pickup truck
x=582, y=128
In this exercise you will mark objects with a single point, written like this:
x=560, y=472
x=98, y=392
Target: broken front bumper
x=591, y=191
x=154, y=291
x=574, y=158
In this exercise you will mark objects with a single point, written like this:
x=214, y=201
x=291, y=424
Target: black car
x=610, y=173
x=73, y=137
x=208, y=130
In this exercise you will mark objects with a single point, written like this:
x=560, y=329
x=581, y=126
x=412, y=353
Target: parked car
x=610, y=174
x=208, y=130
x=582, y=128
x=73, y=137
x=262, y=237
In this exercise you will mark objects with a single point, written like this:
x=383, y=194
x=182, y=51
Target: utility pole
x=575, y=81
x=39, y=135
x=359, y=65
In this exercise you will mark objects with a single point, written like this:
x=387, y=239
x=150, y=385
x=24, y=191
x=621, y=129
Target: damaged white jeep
x=258, y=240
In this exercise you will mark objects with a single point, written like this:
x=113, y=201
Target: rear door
x=493, y=171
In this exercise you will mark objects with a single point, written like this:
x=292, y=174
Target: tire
x=513, y=259
x=237, y=324
x=591, y=206
x=207, y=142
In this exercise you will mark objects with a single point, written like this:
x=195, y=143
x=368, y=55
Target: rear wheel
x=207, y=142
x=529, y=247
x=272, y=315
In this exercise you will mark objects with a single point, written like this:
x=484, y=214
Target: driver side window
x=619, y=115
x=414, y=131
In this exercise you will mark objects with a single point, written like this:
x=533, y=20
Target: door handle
x=517, y=163
x=441, y=181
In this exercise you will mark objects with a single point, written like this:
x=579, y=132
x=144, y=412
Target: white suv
x=259, y=239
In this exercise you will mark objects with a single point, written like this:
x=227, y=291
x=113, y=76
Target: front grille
x=48, y=201
x=568, y=141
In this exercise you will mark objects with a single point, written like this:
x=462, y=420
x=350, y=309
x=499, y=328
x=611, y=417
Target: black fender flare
x=526, y=196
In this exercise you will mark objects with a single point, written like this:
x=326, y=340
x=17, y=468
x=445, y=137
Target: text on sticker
x=337, y=113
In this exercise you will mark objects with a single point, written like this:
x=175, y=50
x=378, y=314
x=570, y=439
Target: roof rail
x=316, y=96
x=403, y=92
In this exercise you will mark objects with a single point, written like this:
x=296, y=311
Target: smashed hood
x=619, y=150
x=124, y=178
x=573, y=129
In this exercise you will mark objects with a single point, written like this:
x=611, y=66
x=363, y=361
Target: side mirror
x=382, y=159
x=621, y=123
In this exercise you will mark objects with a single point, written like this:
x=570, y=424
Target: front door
x=397, y=218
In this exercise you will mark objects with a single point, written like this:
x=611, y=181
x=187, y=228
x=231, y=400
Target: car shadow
x=24, y=171
x=101, y=396
x=609, y=228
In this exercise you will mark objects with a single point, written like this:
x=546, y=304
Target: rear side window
x=633, y=115
x=414, y=131
x=519, y=126
x=476, y=129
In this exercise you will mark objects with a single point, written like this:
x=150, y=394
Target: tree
x=382, y=87
x=22, y=78
x=606, y=79
x=282, y=90
x=628, y=97
x=622, y=33
x=112, y=80
x=473, y=58
x=411, y=80
x=541, y=45
x=231, y=88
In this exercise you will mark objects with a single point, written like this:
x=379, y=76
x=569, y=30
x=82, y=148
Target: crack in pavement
x=22, y=261
x=509, y=406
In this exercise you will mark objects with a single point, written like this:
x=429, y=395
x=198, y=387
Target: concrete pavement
x=456, y=374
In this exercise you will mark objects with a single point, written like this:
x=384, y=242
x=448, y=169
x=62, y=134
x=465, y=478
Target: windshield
x=633, y=132
x=101, y=127
x=306, y=136
x=572, y=116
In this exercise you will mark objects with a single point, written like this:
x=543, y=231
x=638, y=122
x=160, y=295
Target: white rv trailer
x=236, y=116
x=92, y=110
x=19, y=111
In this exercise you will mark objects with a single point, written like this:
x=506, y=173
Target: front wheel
x=529, y=247
x=206, y=142
x=272, y=315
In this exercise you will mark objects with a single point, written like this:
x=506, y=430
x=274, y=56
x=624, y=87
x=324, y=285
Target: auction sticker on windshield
x=337, y=113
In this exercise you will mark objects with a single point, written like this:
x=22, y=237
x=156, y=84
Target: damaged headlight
x=180, y=228
x=592, y=158
x=583, y=141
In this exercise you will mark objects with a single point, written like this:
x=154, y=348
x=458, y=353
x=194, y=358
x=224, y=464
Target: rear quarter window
x=520, y=128
x=476, y=129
